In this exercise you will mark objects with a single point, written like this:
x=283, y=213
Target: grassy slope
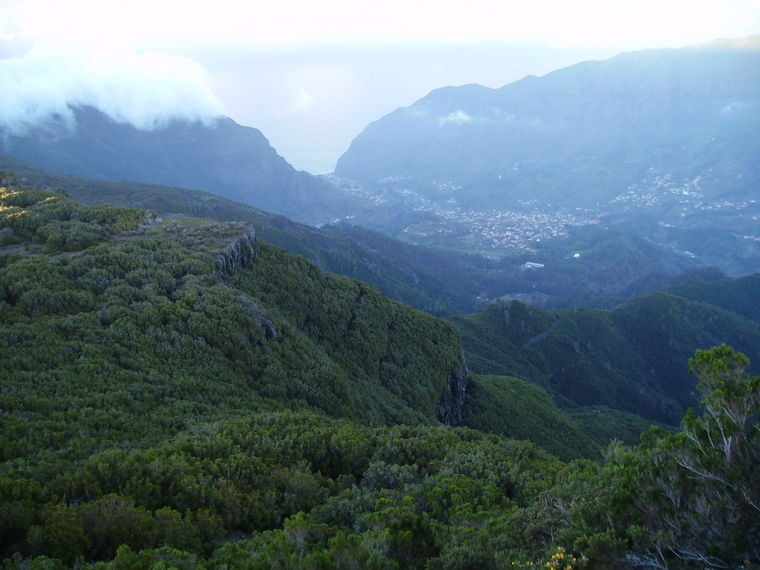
x=521, y=410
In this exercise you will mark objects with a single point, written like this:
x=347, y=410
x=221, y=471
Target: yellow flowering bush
x=560, y=560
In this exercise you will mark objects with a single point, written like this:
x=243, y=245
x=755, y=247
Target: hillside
x=629, y=358
x=522, y=410
x=450, y=282
x=107, y=306
x=223, y=158
x=178, y=393
x=593, y=266
x=141, y=349
x=662, y=141
x=737, y=295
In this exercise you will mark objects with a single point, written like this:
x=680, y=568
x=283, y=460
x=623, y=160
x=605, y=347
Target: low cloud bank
x=146, y=90
x=456, y=118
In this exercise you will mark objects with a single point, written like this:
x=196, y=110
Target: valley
x=440, y=222
x=443, y=224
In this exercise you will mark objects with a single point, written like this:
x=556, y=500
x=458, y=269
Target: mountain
x=556, y=138
x=628, y=358
x=222, y=157
x=664, y=140
x=178, y=392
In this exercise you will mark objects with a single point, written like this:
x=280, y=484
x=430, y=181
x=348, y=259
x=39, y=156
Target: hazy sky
x=311, y=74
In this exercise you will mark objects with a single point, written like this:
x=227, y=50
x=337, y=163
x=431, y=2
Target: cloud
x=303, y=101
x=456, y=118
x=729, y=108
x=146, y=90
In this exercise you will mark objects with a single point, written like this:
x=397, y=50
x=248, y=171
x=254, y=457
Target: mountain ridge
x=222, y=157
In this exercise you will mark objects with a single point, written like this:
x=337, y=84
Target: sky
x=311, y=75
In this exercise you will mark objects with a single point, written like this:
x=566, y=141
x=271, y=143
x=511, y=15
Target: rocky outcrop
x=452, y=402
x=237, y=253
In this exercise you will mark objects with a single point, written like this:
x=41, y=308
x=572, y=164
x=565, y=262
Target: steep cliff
x=452, y=403
x=238, y=253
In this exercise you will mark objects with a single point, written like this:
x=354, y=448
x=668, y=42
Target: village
x=495, y=231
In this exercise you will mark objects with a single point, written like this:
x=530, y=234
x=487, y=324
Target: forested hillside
x=629, y=358
x=177, y=393
x=738, y=295
x=152, y=303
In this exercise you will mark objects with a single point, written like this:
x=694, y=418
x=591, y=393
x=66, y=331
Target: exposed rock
x=452, y=401
x=266, y=329
x=270, y=331
x=150, y=220
x=236, y=254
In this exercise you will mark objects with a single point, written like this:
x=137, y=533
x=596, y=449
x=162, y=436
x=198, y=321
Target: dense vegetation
x=155, y=294
x=522, y=410
x=628, y=358
x=738, y=295
x=177, y=394
x=285, y=490
x=435, y=281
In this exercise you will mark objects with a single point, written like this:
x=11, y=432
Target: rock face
x=238, y=253
x=452, y=402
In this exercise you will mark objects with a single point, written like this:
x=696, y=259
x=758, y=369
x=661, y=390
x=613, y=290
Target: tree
x=699, y=491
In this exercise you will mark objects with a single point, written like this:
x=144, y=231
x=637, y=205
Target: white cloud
x=456, y=118
x=303, y=101
x=145, y=90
